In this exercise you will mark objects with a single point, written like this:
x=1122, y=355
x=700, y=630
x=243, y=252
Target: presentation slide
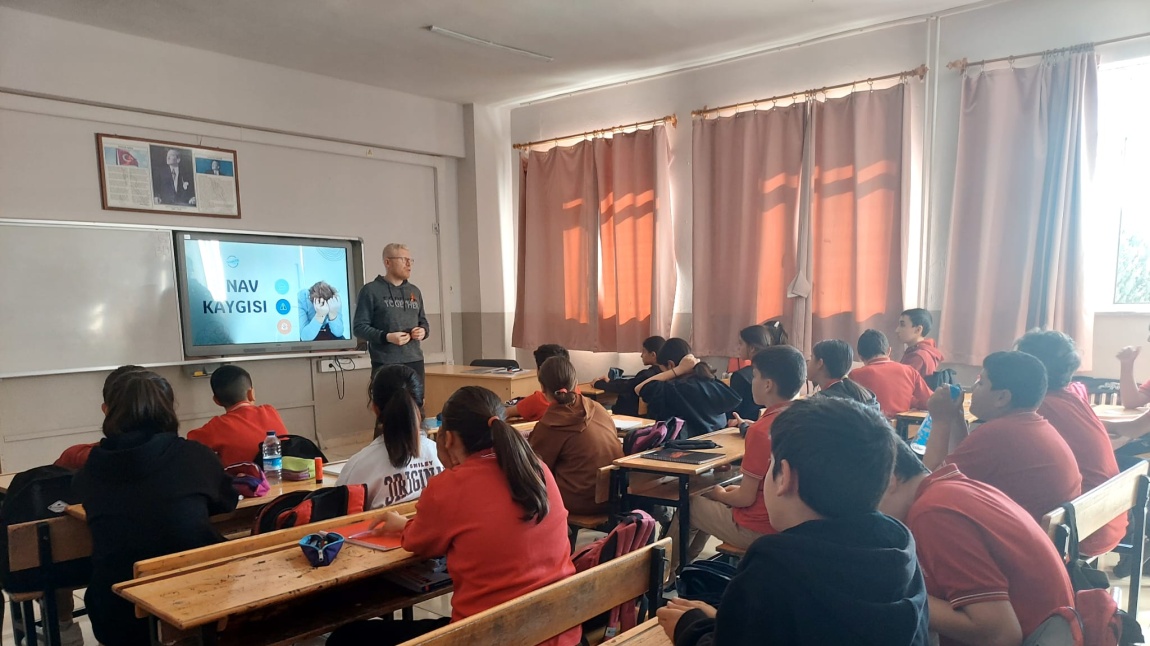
x=248, y=292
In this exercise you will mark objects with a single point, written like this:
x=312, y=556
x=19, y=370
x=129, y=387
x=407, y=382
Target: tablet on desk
x=678, y=455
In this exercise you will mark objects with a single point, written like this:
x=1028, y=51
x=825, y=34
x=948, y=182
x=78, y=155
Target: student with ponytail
x=399, y=461
x=575, y=438
x=496, y=513
x=752, y=340
x=147, y=492
x=687, y=389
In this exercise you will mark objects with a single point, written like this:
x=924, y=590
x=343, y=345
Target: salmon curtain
x=745, y=177
x=595, y=251
x=856, y=214
x=1026, y=142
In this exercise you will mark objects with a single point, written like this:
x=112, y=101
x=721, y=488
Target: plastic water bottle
x=273, y=458
x=919, y=444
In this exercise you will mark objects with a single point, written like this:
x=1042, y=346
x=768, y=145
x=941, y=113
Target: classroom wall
x=1017, y=27
x=391, y=161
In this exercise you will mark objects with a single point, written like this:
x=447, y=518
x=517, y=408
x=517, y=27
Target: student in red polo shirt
x=1076, y=422
x=532, y=407
x=899, y=387
x=737, y=514
x=1015, y=450
x=236, y=435
x=992, y=575
x=1133, y=395
x=496, y=513
x=921, y=353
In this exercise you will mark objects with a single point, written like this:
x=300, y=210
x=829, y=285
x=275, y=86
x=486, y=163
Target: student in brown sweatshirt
x=575, y=438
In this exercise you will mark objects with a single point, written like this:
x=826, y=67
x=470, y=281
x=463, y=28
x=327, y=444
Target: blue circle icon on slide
x=233, y=262
x=282, y=286
x=282, y=306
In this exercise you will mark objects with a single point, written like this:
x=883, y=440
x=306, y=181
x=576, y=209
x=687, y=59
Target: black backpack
x=41, y=493
x=293, y=446
x=944, y=377
x=705, y=581
x=302, y=507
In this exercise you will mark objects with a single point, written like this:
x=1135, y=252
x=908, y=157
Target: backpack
x=634, y=530
x=705, y=581
x=651, y=437
x=248, y=480
x=293, y=446
x=1083, y=576
x=1094, y=621
x=940, y=378
x=303, y=507
x=41, y=493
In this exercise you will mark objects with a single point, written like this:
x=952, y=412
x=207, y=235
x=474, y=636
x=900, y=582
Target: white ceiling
x=385, y=43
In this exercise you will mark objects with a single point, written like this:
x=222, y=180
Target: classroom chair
x=1102, y=391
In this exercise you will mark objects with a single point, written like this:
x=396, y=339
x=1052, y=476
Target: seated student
x=1015, y=449
x=575, y=438
x=147, y=492
x=736, y=515
x=1076, y=422
x=839, y=572
x=1133, y=395
x=400, y=460
x=496, y=513
x=752, y=340
x=897, y=386
x=236, y=435
x=921, y=353
x=75, y=456
x=532, y=407
x=830, y=362
x=992, y=574
x=687, y=389
x=627, y=402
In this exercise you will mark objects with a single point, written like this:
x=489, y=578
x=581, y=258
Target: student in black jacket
x=831, y=361
x=687, y=389
x=752, y=340
x=147, y=492
x=840, y=572
x=627, y=402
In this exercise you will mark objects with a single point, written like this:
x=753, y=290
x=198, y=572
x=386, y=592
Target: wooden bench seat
x=540, y=615
x=648, y=633
x=730, y=550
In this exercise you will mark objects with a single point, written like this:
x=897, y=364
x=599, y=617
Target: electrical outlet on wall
x=333, y=364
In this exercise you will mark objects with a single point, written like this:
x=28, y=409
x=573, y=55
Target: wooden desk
x=648, y=633
x=201, y=597
x=1109, y=413
x=527, y=427
x=443, y=380
x=903, y=421
x=689, y=476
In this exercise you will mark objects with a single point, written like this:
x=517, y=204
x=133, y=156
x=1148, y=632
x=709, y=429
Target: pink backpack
x=652, y=437
x=634, y=530
x=248, y=480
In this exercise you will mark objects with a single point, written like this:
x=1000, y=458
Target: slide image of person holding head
x=172, y=178
x=320, y=313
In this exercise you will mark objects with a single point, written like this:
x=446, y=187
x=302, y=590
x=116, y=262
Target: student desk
x=206, y=598
x=648, y=633
x=443, y=380
x=623, y=424
x=686, y=478
x=1109, y=413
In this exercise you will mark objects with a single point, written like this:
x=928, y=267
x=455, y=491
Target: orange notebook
x=360, y=534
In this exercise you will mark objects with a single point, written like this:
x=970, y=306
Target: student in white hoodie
x=399, y=461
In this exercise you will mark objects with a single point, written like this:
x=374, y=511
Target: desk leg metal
x=51, y=615
x=1138, y=555
x=29, y=617
x=208, y=635
x=684, y=521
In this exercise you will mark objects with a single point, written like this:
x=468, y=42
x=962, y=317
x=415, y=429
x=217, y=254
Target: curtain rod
x=961, y=64
x=671, y=119
x=919, y=72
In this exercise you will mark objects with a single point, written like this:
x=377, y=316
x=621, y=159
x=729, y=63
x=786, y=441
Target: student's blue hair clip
x=322, y=548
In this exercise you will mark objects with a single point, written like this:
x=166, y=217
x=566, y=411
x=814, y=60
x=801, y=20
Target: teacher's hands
x=398, y=338
x=419, y=334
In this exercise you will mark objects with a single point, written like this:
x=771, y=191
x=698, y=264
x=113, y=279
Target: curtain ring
x=1011, y=62
x=870, y=85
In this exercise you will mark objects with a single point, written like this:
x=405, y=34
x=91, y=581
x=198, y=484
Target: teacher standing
x=389, y=314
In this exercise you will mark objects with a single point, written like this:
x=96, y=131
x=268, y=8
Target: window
x=1118, y=227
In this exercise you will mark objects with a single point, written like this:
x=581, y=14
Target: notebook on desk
x=629, y=424
x=678, y=455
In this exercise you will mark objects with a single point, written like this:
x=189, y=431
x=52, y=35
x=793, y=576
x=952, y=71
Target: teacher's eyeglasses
x=406, y=261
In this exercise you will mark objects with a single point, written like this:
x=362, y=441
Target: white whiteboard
x=83, y=297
